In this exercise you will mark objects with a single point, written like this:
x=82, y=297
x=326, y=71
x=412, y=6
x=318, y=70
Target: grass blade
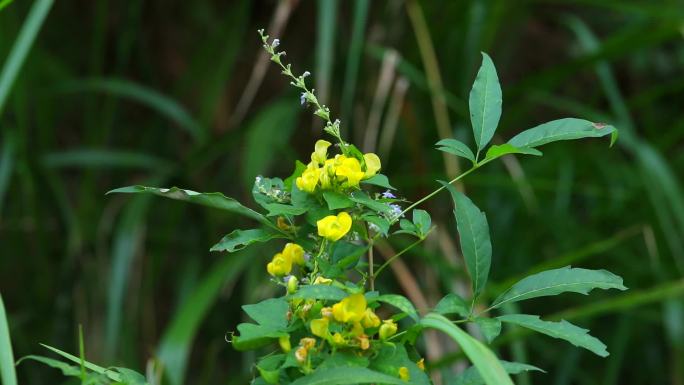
x=325, y=42
x=354, y=56
x=7, y=371
x=21, y=47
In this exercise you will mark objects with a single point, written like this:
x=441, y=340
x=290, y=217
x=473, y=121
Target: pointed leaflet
x=556, y=281
x=215, y=199
x=239, y=239
x=482, y=358
x=563, y=330
x=347, y=376
x=456, y=147
x=562, y=129
x=490, y=327
x=485, y=103
x=499, y=150
x=474, y=234
x=452, y=304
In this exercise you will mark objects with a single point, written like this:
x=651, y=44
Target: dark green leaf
x=67, y=370
x=423, y=222
x=271, y=312
x=363, y=199
x=561, y=129
x=325, y=292
x=475, y=242
x=557, y=281
x=490, y=327
x=337, y=200
x=379, y=180
x=239, y=239
x=456, y=147
x=452, y=304
x=471, y=376
x=391, y=358
x=563, y=330
x=215, y=200
x=347, y=376
x=485, y=103
x=496, y=151
x=277, y=209
x=400, y=302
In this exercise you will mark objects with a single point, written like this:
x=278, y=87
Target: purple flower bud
x=388, y=194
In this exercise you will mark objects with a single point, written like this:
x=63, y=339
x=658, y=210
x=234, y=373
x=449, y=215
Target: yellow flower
x=307, y=343
x=320, y=153
x=387, y=329
x=284, y=342
x=370, y=319
x=300, y=354
x=294, y=252
x=350, y=309
x=279, y=266
x=404, y=373
x=326, y=173
x=357, y=329
x=338, y=340
x=349, y=170
x=319, y=327
x=334, y=227
x=309, y=179
x=372, y=165
x=326, y=312
x=321, y=280
x=364, y=343
x=292, y=285
x=421, y=364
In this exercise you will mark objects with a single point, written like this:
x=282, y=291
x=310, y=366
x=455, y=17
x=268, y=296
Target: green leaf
x=5, y=3
x=347, y=376
x=271, y=312
x=382, y=223
x=325, y=292
x=277, y=209
x=475, y=242
x=422, y=221
x=471, y=376
x=391, y=358
x=561, y=129
x=112, y=375
x=482, y=358
x=452, y=304
x=269, y=368
x=490, y=327
x=7, y=371
x=456, y=147
x=239, y=239
x=563, y=330
x=363, y=199
x=379, y=180
x=557, y=281
x=337, y=200
x=485, y=103
x=499, y=150
x=67, y=370
x=400, y=302
x=268, y=190
x=215, y=199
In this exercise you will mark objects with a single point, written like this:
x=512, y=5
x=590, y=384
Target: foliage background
x=149, y=92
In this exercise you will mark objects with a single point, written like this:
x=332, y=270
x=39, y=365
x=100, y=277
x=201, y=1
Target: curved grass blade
x=103, y=158
x=155, y=100
x=7, y=371
x=485, y=103
x=563, y=330
x=482, y=358
x=21, y=47
x=557, y=281
x=471, y=376
x=176, y=342
x=112, y=375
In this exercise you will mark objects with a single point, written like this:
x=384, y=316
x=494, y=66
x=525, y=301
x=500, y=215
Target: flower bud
x=421, y=364
x=284, y=342
x=301, y=354
x=292, y=284
x=364, y=343
x=307, y=343
x=404, y=373
x=387, y=329
x=338, y=340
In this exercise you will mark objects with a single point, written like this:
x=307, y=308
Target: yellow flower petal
x=280, y=265
x=319, y=327
x=350, y=309
x=387, y=329
x=372, y=164
x=295, y=253
x=334, y=227
x=404, y=373
x=309, y=178
x=349, y=171
x=370, y=319
x=320, y=153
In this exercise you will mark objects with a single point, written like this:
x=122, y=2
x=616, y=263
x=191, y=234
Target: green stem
x=397, y=255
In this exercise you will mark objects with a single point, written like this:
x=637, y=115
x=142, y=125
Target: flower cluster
x=338, y=173
x=281, y=264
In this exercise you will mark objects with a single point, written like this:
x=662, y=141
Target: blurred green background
x=165, y=93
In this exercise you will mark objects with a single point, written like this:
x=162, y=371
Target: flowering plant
x=330, y=325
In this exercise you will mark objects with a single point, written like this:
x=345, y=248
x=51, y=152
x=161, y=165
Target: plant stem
x=397, y=255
